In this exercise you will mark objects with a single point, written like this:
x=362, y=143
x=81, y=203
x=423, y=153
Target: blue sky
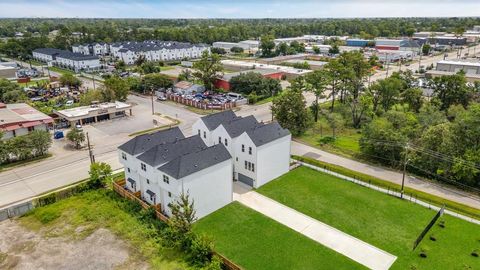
x=238, y=9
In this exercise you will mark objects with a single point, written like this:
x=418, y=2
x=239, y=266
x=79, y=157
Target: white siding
x=273, y=160
x=210, y=189
x=205, y=134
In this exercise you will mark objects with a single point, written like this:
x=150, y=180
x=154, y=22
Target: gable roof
x=144, y=142
x=239, y=125
x=162, y=153
x=212, y=121
x=264, y=134
x=194, y=162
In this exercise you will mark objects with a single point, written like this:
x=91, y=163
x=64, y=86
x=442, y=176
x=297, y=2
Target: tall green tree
x=289, y=109
x=116, y=88
x=267, y=45
x=451, y=89
x=208, y=69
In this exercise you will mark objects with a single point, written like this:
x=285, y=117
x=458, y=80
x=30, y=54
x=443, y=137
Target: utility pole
x=93, y=80
x=420, y=59
x=388, y=65
x=405, y=160
x=151, y=97
x=90, y=152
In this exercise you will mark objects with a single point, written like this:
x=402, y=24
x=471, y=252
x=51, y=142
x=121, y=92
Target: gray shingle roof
x=212, y=121
x=194, y=162
x=264, y=134
x=160, y=154
x=239, y=125
x=144, y=142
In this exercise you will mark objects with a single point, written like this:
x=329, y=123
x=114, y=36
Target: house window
x=205, y=134
x=249, y=150
x=246, y=164
x=226, y=142
x=124, y=156
x=169, y=194
x=243, y=147
x=253, y=167
x=199, y=132
x=128, y=169
x=236, y=159
x=30, y=129
x=143, y=166
x=249, y=166
x=148, y=181
x=219, y=139
x=166, y=180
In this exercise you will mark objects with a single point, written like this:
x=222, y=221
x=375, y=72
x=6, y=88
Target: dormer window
x=143, y=167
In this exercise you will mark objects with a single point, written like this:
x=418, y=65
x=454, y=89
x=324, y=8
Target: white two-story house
x=261, y=152
x=165, y=164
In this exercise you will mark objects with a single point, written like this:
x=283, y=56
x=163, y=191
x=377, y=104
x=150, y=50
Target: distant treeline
x=211, y=30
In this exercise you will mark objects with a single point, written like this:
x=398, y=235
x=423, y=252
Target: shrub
x=423, y=253
x=326, y=140
x=200, y=250
x=441, y=223
x=475, y=253
x=215, y=264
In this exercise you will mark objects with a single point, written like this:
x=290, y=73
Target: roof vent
x=195, y=165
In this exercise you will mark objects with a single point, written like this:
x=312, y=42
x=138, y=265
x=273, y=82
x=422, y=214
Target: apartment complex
x=151, y=50
x=66, y=59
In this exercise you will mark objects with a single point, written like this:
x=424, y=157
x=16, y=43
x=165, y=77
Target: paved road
x=345, y=244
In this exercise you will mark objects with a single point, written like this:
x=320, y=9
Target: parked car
x=69, y=103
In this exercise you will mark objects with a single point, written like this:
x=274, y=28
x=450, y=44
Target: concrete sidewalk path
x=330, y=237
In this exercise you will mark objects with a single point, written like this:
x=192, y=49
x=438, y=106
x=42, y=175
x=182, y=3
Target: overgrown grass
x=320, y=135
x=384, y=221
x=103, y=208
x=255, y=241
x=60, y=70
x=151, y=130
x=454, y=206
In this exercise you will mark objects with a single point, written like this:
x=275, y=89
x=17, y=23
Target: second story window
x=246, y=164
x=143, y=167
x=253, y=167
x=148, y=181
x=166, y=179
x=249, y=150
x=226, y=142
x=243, y=147
x=124, y=156
x=199, y=132
x=219, y=139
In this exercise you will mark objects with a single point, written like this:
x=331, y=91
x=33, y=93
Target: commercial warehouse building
x=449, y=67
x=289, y=72
x=20, y=119
x=224, y=82
x=95, y=113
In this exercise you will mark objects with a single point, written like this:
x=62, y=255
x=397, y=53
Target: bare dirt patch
x=21, y=248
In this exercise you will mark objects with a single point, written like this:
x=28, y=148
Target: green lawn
x=255, y=241
x=345, y=143
x=379, y=219
x=105, y=209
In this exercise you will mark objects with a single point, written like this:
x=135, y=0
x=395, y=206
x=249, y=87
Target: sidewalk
x=322, y=233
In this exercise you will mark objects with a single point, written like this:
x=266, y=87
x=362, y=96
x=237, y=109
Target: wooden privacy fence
x=119, y=188
x=201, y=105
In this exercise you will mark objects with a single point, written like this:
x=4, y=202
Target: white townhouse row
x=66, y=59
x=165, y=164
x=99, y=48
x=261, y=152
x=152, y=50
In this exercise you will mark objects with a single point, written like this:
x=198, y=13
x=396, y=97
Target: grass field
x=345, y=143
x=255, y=241
x=104, y=209
x=379, y=219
